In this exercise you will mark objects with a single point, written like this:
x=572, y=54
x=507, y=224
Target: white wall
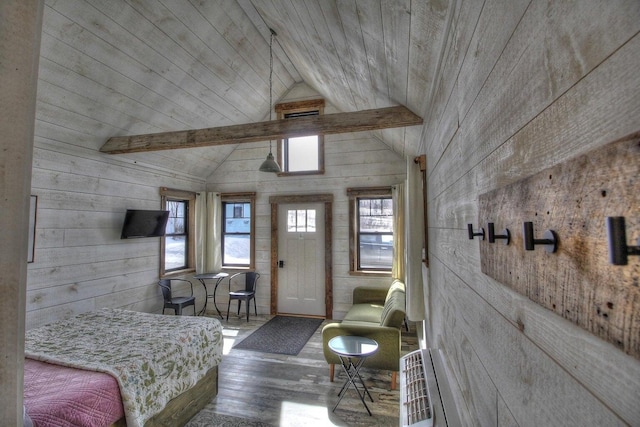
x=524, y=85
x=351, y=160
x=81, y=263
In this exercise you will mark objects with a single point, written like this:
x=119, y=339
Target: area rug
x=281, y=335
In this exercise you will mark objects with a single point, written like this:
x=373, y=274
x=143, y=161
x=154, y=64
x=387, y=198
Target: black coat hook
x=549, y=240
x=472, y=233
x=493, y=236
x=617, y=237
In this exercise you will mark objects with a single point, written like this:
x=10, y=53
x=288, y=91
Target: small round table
x=213, y=276
x=348, y=348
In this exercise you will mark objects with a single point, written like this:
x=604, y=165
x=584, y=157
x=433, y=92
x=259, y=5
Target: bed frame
x=179, y=410
x=194, y=344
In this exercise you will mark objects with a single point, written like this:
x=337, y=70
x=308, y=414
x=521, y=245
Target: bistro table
x=210, y=276
x=348, y=348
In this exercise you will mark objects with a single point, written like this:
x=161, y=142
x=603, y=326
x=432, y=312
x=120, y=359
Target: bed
x=120, y=367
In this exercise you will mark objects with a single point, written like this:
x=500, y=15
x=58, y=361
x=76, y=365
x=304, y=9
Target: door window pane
x=301, y=220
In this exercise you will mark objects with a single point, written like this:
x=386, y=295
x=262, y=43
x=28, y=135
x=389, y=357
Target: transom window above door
x=301, y=155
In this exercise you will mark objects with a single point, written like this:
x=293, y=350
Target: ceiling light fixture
x=270, y=165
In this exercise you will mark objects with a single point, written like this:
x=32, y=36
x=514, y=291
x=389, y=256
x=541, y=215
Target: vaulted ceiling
x=126, y=67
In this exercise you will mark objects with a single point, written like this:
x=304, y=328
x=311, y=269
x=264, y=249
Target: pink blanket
x=58, y=396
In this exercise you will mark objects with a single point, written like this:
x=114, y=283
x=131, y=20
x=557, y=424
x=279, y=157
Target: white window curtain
x=414, y=232
x=408, y=232
x=208, y=233
x=398, y=265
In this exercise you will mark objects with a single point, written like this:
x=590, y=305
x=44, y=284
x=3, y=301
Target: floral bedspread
x=154, y=357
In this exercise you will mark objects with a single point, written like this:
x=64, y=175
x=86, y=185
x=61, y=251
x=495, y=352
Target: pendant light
x=270, y=165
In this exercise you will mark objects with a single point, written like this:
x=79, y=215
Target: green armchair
x=377, y=314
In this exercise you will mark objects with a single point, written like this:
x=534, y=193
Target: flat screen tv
x=144, y=223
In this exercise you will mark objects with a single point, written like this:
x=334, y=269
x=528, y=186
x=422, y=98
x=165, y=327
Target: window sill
x=301, y=173
x=175, y=273
x=370, y=273
x=229, y=268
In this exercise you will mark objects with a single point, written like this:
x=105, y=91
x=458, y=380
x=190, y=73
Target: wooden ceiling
x=128, y=67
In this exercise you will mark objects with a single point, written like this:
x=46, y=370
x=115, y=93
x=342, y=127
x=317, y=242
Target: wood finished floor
x=286, y=390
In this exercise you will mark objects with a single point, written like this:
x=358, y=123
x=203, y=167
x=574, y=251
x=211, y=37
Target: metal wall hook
x=472, y=233
x=549, y=240
x=617, y=237
x=493, y=236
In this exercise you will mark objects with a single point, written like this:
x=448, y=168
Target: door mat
x=281, y=335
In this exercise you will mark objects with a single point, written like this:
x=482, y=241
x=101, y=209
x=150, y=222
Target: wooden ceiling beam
x=382, y=118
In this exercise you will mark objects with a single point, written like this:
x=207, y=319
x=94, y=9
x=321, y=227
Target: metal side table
x=212, y=276
x=350, y=348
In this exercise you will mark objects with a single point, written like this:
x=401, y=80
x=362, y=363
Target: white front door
x=301, y=263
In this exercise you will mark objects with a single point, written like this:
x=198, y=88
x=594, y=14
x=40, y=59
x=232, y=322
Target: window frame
x=247, y=197
x=354, y=195
x=169, y=194
x=300, y=107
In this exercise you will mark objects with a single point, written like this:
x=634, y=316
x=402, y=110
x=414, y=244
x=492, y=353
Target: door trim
x=327, y=199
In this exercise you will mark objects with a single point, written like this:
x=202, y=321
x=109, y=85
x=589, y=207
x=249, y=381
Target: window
x=371, y=230
x=301, y=220
x=177, y=247
x=303, y=155
x=176, y=250
x=238, y=230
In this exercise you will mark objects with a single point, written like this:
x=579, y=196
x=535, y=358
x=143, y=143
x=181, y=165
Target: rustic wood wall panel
x=573, y=199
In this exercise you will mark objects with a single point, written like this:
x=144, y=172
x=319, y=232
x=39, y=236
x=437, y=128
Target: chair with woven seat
x=177, y=303
x=247, y=294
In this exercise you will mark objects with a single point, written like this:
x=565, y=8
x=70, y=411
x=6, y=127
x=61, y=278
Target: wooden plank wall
x=89, y=88
x=351, y=160
x=523, y=85
x=80, y=262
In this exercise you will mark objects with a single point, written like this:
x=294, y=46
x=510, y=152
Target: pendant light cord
x=270, y=165
x=273, y=33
